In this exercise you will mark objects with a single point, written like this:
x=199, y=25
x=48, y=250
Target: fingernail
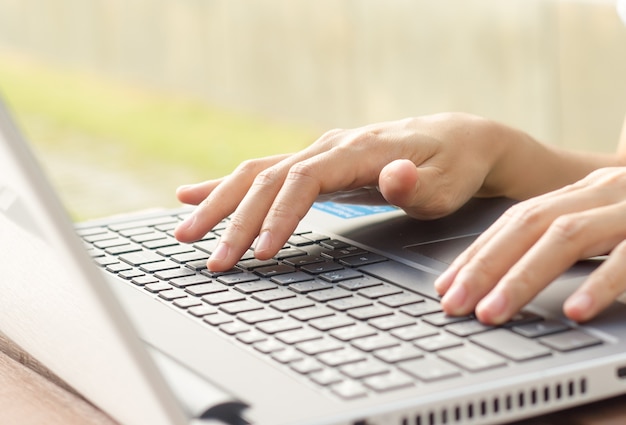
x=493, y=308
x=220, y=253
x=443, y=282
x=264, y=241
x=187, y=223
x=580, y=303
x=455, y=298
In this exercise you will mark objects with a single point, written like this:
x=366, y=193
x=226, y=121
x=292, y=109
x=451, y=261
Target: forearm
x=525, y=167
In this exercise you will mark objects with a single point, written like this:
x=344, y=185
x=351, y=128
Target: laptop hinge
x=199, y=398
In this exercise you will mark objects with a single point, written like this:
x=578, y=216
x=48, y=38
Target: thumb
x=418, y=191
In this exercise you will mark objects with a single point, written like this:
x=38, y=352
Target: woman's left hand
x=537, y=240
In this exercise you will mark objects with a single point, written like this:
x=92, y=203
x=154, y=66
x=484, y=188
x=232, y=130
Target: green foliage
x=143, y=124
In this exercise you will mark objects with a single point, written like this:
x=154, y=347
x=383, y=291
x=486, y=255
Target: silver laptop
x=342, y=327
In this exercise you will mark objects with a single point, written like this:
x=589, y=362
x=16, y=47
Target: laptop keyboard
x=349, y=320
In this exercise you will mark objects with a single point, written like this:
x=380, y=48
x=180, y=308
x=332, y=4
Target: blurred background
x=126, y=99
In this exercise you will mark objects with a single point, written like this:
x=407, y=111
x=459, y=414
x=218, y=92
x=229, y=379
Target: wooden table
x=31, y=395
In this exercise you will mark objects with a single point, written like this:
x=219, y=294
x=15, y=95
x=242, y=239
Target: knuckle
x=247, y=167
x=300, y=170
x=526, y=214
x=609, y=176
x=330, y=137
x=523, y=280
x=283, y=214
x=568, y=229
x=268, y=177
x=480, y=267
x=237, y=225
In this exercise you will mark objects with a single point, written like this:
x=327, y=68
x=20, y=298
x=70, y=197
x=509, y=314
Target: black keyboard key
x=315, y=237
x=340, y=275
x=234, y=279
x=304, y=260
x=322, y=267
x=288, y=279
x=289, y=252
x=274, y=270
x=254, y=263
x=337, y=254
x=404, y=276
x=252, y=287
x=359, y=283
x=333, y=244
x=362, y=260
x=306, y=287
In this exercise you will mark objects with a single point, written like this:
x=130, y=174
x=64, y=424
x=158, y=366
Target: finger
x=600, y=289
x=445, y=281
x=426, y=191
x=324, y=173
x=245, y=223
x=221, y=199
x=281, y=197
x=398, y=182
x=569, y=238
x=476, y=271
x=193, y=194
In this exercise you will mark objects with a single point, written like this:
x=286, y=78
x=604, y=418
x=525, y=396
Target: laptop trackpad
x=447, y=250
x=444, y=251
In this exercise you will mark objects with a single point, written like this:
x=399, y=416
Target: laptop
x=342, y=327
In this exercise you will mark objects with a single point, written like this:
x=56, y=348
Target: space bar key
x=404, y=276
x=508, y=344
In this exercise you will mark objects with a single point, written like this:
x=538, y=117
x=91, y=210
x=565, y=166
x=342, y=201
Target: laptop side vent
x=500, y=406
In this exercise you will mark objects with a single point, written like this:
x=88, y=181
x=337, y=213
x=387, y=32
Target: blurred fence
x=554, y=68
